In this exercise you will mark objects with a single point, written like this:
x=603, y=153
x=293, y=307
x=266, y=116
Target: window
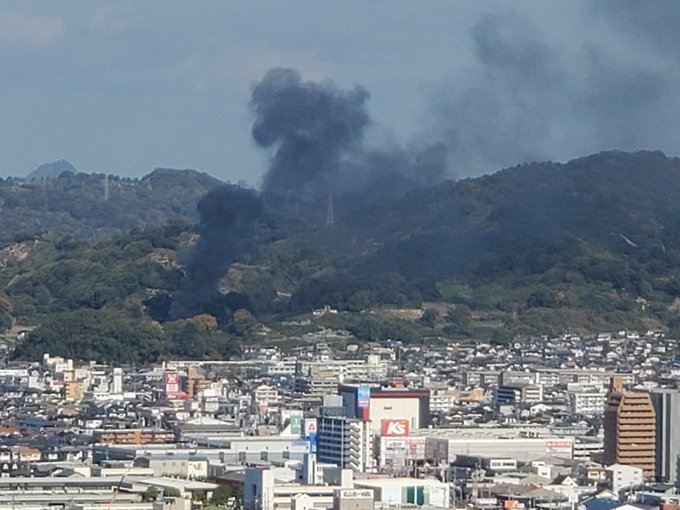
x=420, y=496
x=410, y=495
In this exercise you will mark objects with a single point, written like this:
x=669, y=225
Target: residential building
x=586, y=399
x=620, y=476
x=629, y=428
x=519, y=393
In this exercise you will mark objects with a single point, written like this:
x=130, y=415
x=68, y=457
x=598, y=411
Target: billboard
x=363, y=396
x=171, y=385
x=395, y=447
x=560, y=448
x=411, y=447
x=310, y=433
x=295, y=425
x=392, y=428
x=310, y=426
x=438, y=448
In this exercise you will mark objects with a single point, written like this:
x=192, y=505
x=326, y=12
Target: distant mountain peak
x=52, y=170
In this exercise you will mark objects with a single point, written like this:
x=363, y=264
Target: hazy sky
x=126, y=86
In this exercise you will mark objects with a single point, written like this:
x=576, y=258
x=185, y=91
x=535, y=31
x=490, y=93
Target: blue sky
x=123, y=87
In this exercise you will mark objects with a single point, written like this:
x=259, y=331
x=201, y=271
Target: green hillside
x=590, y=245
x=93, y=207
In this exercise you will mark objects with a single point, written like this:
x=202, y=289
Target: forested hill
x=592, y=244
x=95, y=207
x=617, y=201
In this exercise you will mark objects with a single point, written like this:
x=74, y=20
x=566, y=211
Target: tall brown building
x=629, y=428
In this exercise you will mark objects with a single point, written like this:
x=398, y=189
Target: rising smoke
x=228, y=215
x=525, y=98
x=316, y=134
x=312, y=127
x=530, y=98
x=651, y=22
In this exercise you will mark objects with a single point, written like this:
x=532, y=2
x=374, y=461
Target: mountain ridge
x=534, y=249
x=51, y=170
x=96, y=206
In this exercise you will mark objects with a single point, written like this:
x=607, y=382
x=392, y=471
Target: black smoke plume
x=529, y=97
x=312, y=127
x=228, y=215
x=316, y=132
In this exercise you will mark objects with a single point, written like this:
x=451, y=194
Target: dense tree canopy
x=594, y=243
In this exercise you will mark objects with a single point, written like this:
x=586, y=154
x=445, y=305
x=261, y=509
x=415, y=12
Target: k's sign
x=392, y=428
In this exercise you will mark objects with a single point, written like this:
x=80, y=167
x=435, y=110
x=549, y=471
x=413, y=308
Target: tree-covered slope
x=591, y=243
x=89, y=301
x=621, y=202
x=588, y=245
x=95, y=207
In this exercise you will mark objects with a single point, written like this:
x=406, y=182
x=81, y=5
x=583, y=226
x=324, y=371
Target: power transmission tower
x=330, y=213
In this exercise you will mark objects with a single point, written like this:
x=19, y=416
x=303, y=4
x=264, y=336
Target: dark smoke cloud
x=317, y=133
x=626, y=106
x=528, y=98
x=655, y=21
x=312, y=127
x=227, y=217
x=503, y=116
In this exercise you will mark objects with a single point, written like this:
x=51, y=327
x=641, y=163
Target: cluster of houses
x=371, y=425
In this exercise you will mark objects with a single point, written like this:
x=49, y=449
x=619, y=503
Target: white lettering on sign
x=395, y=427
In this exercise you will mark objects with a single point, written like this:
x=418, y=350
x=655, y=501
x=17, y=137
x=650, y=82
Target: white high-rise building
x=346, y=442
x=117, y=381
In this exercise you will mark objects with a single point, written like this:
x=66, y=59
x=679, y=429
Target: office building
x=376, y=404
x=346, y=442
x=667, y=408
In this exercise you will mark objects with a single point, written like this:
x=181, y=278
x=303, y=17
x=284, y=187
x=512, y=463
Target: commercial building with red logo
x=376, y=404
x=392, y=428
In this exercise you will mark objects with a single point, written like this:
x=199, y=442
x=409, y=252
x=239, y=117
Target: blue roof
x=601, y=504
